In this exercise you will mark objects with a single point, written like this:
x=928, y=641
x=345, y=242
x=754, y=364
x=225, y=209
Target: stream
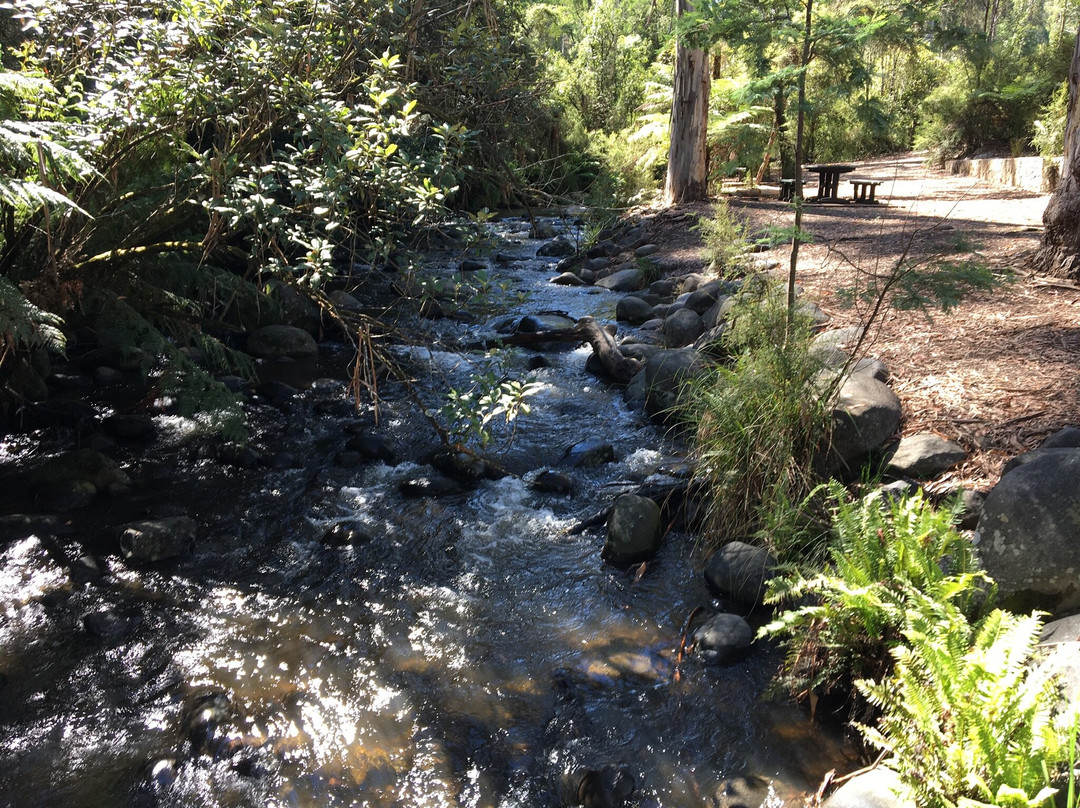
x=329, y=641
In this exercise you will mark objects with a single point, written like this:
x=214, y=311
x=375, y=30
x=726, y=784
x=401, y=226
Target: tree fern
x=24, y=325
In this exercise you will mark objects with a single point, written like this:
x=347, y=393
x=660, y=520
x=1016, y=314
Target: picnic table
x=829, y=180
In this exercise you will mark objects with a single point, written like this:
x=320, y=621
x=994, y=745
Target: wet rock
x=20, y=525
x=472, y=265
x=344, y=301
x=877, y=788
x=276, y=342
x=544, y=323
x=276, y=393
x=431, y=485
x=866, y=415
x=633, y=310
x=203, y=714
x=558, y=247
x=596, y=264
x=924, y=455
x=633, y=530
x=656, y=388
x=130, y=426
x=1028, y=538
x=119, y=357
x=682, y=328
x=542, y=229
x=83, y=466
x=624, y=280
x=110, y=625
x=740, y=571
x=86, y=568
x=723, y=639
x=372, y=447
x=568, y=279
x=464, y=466
x=639, y=350
x=744, y=791
x=346, y=534
x=589, y=452
x=550, y=481
x=609, y=787
x=239, y=455
x=348, y=460
x=71, y=495
x=62, y=380
x=157, y=539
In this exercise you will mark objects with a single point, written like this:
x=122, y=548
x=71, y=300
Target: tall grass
x=757, y=426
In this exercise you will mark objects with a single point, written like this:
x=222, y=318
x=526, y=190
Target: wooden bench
x=863, y=190
x=787, y=190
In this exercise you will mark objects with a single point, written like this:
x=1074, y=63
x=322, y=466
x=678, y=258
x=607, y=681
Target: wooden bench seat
x=863, y=190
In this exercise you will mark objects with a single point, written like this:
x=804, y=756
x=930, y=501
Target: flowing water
x=463, y=651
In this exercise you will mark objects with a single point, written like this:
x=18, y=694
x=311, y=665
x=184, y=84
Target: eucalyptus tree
x=1059, y=254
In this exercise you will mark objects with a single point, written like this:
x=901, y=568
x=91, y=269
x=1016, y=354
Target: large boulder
x=1059, y=657
x=633, y=530
x=558, y=247
x=1028, y=538
x=682, y=328
x=656, y=388
x=624, y=280
x=281, y=342
x=634, y=310
x=158, y=539
x=740, y=571
x=865, y=416
x=723, y=638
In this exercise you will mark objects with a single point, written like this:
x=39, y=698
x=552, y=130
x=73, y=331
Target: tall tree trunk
x=800, y=119
x=687, y=171
x=1060, y=251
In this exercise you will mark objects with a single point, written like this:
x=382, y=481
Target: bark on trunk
x=1060, y=252
x=687, y=175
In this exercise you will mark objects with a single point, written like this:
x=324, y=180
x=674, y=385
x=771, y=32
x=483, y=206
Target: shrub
x=882, y=555
x=965, y=719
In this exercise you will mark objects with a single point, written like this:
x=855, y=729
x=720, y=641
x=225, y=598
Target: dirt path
x=999, y=372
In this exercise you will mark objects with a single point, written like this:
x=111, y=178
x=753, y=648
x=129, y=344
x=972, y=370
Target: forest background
x=169, y=166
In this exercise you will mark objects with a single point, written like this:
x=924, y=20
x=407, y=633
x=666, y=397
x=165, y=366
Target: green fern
x=851, y=614
x=964, y=718
x=24, y=325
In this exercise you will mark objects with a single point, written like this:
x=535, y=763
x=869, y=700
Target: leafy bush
x=965, y=719
x=883, y=555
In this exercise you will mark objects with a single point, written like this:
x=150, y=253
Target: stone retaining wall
x=1029, y=173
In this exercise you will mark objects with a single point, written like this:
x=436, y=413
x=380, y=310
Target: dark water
x=470, y=651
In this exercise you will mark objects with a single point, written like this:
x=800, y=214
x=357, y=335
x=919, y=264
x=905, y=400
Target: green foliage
x=473, y=419
x=24, y=325
x=911, y=286
x=758, y=425
x=724, y=236
x=883, y=556
x=965, y=719
x=1049, y=138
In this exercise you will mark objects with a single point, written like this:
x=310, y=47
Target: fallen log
x=620, y=368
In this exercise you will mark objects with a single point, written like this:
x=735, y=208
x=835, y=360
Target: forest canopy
x=167, y=162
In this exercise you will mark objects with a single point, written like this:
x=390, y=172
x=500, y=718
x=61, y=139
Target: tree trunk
x=687, y=175
x=1060, y=252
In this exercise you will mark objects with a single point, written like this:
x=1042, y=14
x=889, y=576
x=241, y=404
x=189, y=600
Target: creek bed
x=462, y=651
